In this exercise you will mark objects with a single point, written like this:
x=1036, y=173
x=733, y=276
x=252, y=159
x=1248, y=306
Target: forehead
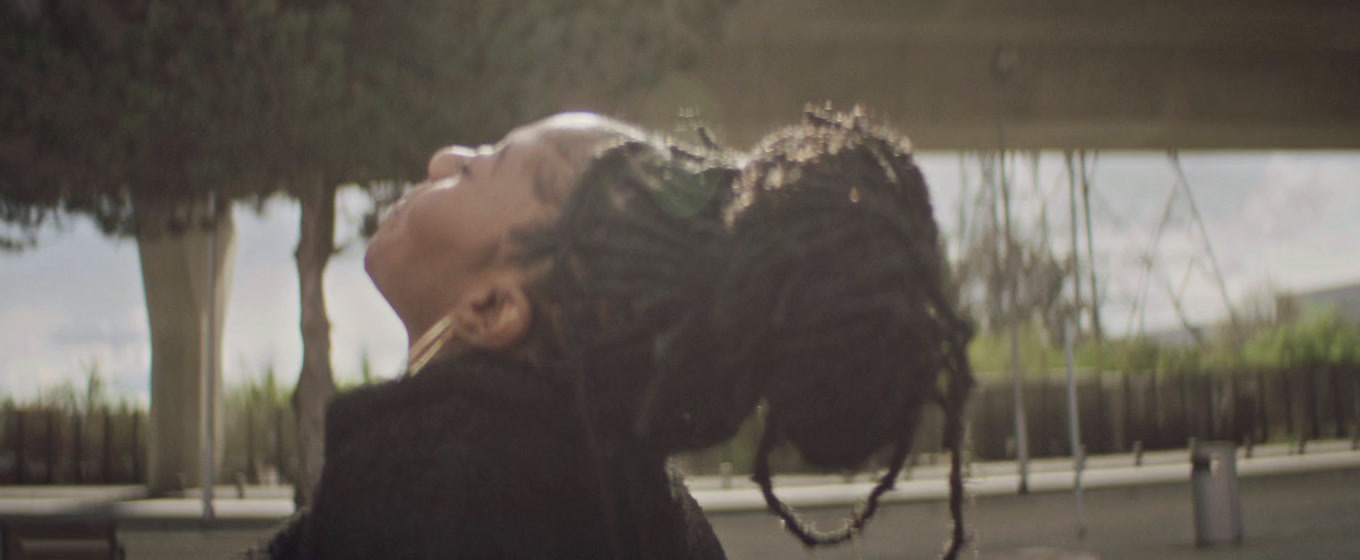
x=557, y=149
x=585, y=131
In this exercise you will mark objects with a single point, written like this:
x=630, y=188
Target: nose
x=449, y=161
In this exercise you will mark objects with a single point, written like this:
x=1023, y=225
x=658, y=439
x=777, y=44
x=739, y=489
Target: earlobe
x=495, y=315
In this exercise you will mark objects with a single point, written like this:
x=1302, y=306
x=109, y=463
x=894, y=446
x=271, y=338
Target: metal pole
x=1076, y=239
x=1184, y=185
x=1074, y=432
x=1013, y=281
x=210, y=370
x=1090, y=249
x=1002, y=68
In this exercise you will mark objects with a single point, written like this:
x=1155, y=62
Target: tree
x=430, y=73
x=982, y=274
x=135, y=112
x=148, y=117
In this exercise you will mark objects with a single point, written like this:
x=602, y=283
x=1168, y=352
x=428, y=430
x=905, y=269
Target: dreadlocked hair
x=834, y=303
x=677, y=292
x=626, y=297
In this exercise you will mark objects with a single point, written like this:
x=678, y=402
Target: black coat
x=473, y=459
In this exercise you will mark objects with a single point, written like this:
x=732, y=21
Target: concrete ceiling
x=1101, y=74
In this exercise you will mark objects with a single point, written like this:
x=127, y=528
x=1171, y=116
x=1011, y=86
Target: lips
x=399, y=207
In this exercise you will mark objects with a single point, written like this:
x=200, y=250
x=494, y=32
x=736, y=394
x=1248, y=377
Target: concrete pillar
x=175, y=245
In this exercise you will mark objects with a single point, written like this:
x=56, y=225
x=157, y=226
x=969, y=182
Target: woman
x=583, y=301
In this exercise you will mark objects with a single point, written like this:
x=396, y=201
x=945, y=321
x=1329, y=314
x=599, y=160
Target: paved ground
x=1305, y=507
x=1304, y=517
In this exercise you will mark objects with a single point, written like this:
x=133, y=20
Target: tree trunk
x=316, y=243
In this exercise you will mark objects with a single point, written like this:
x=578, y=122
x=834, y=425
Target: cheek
x=442, y=223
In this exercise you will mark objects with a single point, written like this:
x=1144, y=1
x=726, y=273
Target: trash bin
x=1213, y=481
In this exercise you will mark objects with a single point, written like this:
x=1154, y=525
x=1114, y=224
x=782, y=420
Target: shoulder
x=450, y=460
x=470, y=389
x=285, y=544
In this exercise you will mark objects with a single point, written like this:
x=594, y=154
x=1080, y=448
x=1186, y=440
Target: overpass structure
x=1054, y=74
x=954, y=74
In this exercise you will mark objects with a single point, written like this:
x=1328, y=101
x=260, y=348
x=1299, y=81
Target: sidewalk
x=1001, y=479
x=265, y=506
x=1312, y=516
x=1295, y=506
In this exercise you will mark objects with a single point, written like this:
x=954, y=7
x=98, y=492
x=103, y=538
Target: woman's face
x=453, y=230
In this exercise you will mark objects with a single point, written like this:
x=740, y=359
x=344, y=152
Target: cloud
x=36, y=355
x=77, y=298
x=1287, y=204
x=98, y=332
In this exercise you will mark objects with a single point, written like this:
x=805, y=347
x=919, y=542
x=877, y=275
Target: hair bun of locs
x=834, y=302
x=635, y=257
x=681, y=296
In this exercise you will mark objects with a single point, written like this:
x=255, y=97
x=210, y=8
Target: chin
x=379, y=272
x=375, y=264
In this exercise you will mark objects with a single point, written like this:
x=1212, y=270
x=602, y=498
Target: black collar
x=482, y=382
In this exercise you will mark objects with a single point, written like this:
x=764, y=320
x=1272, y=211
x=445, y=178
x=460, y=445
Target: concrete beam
x=1209, y=74
x=1306, y=24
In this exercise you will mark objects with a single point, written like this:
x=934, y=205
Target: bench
x=60, y=539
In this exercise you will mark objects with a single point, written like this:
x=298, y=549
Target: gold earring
x=429, y=344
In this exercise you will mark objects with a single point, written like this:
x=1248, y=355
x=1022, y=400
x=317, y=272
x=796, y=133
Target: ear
x=493, y=314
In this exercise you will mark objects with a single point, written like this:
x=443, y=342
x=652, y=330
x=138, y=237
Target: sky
x=1289, y=220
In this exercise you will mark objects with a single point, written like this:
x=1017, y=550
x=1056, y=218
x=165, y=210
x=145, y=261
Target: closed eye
x=500, y=156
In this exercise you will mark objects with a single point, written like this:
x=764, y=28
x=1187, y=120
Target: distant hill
x=1345, y=299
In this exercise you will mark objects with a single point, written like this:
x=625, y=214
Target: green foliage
x=156, y=100
x=990, y=353
x=1320, y=337
x=105, y=102
x=257, y=429
x=262, y=392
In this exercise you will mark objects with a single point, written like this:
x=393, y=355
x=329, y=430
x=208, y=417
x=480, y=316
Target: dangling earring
x=429, y=344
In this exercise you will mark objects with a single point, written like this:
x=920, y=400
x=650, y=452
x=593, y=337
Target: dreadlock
x=620, y=308
x=678, y=292
x=836, y=298
x=632, y=261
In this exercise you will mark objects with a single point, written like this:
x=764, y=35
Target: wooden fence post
x=1234, y=420
x=51, y=447
x=1287, y=399
x=1103, y=410
x=106, y=457
x=20, y=461
x=1262, y=412
x=1187, y=415
x=1211, y=391
x=79, y=449
x=252, y=474
x=278, y=442
x=136, y=447
x=1155, y=410
x=1310, y=402
x=1355, y=383
x=1126, y=423
x=1338, y=400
